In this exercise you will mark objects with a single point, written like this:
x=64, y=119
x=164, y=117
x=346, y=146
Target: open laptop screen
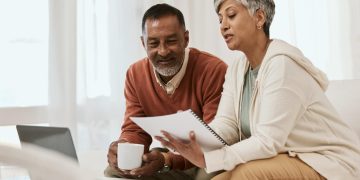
x=55, y=138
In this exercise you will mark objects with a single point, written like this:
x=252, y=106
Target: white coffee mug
x=129, y=156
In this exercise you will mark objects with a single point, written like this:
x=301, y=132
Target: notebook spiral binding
x=209, y=128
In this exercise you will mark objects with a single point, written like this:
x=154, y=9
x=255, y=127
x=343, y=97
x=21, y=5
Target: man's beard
x=170, y=71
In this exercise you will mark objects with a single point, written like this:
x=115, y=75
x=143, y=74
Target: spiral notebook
x=179, y=125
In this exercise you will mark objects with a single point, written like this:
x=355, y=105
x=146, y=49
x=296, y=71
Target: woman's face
x=237, y=26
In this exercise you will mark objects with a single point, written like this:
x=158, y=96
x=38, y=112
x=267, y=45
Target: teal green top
x=249, y=78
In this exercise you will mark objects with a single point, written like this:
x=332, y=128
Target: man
x=172, y=78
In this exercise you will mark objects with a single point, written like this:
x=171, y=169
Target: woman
x=273, y=111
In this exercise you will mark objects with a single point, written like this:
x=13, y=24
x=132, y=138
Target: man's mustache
x=160, y=58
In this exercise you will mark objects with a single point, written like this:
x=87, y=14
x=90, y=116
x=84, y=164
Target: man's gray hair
x=268, y=6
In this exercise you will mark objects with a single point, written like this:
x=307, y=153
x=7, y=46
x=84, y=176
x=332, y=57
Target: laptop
x=55, y=138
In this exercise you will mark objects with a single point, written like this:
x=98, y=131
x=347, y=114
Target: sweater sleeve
x=212, y=87
x=130, y=131
x=279, y=104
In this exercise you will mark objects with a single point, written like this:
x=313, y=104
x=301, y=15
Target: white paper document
x=179, y=126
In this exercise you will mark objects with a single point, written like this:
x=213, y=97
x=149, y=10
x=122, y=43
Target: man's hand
x=113, y=163
x=153, y=162
x=112, y=154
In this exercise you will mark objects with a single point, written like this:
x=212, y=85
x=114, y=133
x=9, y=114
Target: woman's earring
x=259, y=27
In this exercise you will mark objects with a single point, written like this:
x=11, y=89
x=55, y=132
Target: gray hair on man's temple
x=268, y=6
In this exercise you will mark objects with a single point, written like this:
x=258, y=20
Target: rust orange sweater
x=199, y=90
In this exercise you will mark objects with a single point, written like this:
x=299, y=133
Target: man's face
x=165, y=40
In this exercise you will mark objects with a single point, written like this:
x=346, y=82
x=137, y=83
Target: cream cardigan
x=289, y=112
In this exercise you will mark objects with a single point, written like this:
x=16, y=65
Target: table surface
x=93, y=161
x=9, y=172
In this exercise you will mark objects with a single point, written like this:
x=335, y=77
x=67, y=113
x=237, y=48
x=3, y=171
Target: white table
x=91, y=162
x=9, y=172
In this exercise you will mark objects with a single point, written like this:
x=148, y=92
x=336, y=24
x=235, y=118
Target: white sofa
x=345, y=97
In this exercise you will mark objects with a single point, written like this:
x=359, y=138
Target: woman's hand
x=189, y=150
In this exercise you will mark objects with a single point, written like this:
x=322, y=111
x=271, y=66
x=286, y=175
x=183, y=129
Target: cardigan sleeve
x=278, y=105
x=225, y=123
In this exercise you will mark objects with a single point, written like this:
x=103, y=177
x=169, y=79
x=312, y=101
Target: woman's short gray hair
x=268, y=6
